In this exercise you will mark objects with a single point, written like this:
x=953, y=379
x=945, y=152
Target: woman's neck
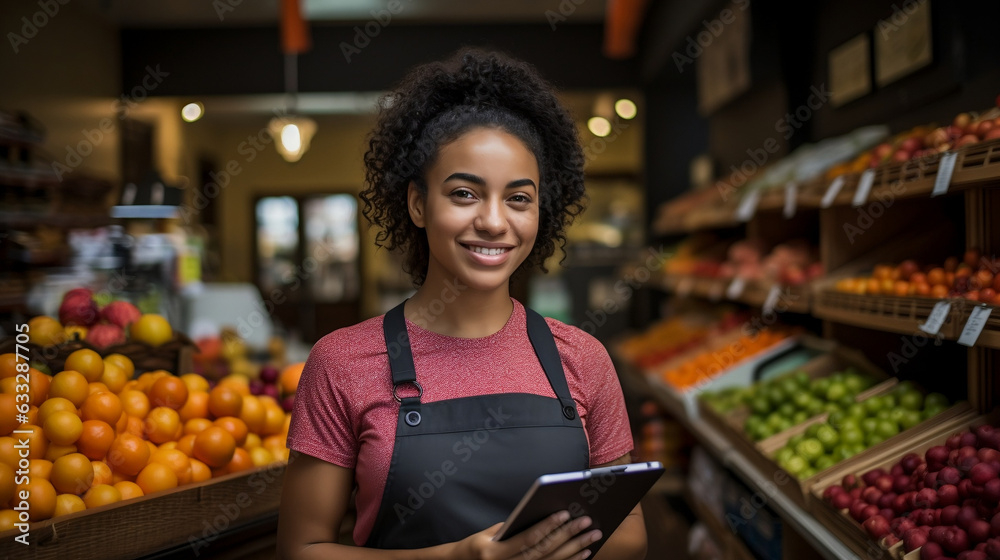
x=450, y=308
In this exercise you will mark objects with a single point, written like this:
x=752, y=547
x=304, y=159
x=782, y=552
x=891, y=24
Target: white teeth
x=487, y=251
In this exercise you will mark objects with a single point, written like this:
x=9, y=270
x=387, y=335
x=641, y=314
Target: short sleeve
x=322, y=424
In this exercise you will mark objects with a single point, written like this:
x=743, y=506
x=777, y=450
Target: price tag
x=791, y=197
x=748, y=206
x=936, y=318
x=975, y=325
x=772, y=299
x=945, y=168
x=736, y=287
x=832, y=191
x=685, y=286
x=716, y=291
x=864, y=187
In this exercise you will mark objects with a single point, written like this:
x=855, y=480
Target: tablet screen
x=606, y=494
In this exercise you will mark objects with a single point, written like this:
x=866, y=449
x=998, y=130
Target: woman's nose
x=492, y=218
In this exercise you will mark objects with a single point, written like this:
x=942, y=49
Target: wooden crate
x=839, y=521
x=192, y=514
x=175, y=356
x=902, y=315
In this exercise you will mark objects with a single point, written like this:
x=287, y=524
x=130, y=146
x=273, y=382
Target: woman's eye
x=520, y=198
x=462, y=194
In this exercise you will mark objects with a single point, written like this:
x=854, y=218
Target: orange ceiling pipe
x=621, y=25
x=294, y=30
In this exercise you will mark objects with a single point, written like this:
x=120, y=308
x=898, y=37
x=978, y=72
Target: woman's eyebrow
x=476, y=179
x=521, y=183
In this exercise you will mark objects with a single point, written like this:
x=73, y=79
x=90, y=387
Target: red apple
x=103, y=336
x=914, y=539
x=993, y=133
x=967, y=140
x=982, y=473
x=121, y=313
x=949, y=514
x=931, y=551
x=948, y=495
x=877, y=526
x=78, y=308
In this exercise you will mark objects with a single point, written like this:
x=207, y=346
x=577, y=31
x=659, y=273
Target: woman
x=442, y=412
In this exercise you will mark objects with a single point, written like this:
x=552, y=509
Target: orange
x=162, y=425
x=117, y=477
x=135, y=403
x=128, y=454
x=53, y=405
x=133, y=425
x=62, y=427
x=102, y=472
x=75, y=332
x=40, y=468
x=7, y=485
x=87, y=362
x=236, y=427
x=151, y=445
x=253, y=440
x=105, y=406
x=95, y=439
x=195, y=407
x=145, y=381
x=8, y=365
x=72, y=474
x=42, y=500
x=56, y=451
x=237, y=382
x=122, y=361
x=32, y=415
x=114, y=377
x=214, y=447
x=8, y=518
x=45, y=331
x=129, y=489
x=289, y=377
x=261, y=457
x=186, y=444
x=253, y=413
x=199, y=471
x=195, y=382
x=8, y=453
x=97, y=387
x=274, y=444
x=224, y=401
x=241, y=461
x=122, y=424
x=196, y=425
x=8, y=413
x=168, y=391
x=38, y=386
x=68, y=503
x=177, y=461
x=156, y=477
x=101, y=494
x=274, y=420
x=172, y=444
x=8, y=384
x=70, y=385
x=152, y=329
x=38, y=444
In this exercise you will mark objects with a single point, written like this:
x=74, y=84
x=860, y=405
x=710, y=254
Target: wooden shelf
x=794, y=300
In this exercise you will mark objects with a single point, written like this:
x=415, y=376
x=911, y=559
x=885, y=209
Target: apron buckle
x=420, y=390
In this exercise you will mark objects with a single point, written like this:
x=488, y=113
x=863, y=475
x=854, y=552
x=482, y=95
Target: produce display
x=82, y=317
x=945, y=503
x=790, y=399
x=672, y=337
x=790, y=264
x=972, y=277
x=720, y=356
x=97, y=436
x=856, y=426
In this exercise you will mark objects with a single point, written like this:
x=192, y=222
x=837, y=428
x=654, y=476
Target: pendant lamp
x=291, y=132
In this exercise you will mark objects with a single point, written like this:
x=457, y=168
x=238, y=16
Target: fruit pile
x=97, y=436
x=856, y=427
x=946, y=503
x=82, y=318
x=672, y=337
x=974, y=278
x=789, y=264
x=789, y=400
x=720, y=357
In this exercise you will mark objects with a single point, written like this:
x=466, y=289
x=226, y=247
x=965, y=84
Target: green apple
x=828, y=437
x=936, y=400
x=910, y=419
x=809, y=449
x=911, y=400
x=825, y=462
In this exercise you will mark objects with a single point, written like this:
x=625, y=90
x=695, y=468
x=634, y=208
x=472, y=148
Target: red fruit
x=969, y=439
x=288, y=403
x=995, y=525
x=78, y=308
x=832, y=491
x=870, y=511
x=887, y=513
x=984, y=128
x=900, y=484
x=856, y=510
x=966, y=516
x=900, y=156
x=988, y=454
x=885, y=502
x=965, y=488
x=967, y=140
x=121, y=313
x=841, y=501
x=936, y=457
x=103, y=336
x=910, y=462
x=993, y=548
x=991, y=491
x=877, y=526
x=949, y=514
x=929, y=517
x=896, y=470
x=993, y=134
x=972, y=555
x=269, y=374
x=949, y=475
x=956, y=540
x=884, y=483
x=914, y=539
x=982, y=473
x=855, y=493
x=871, y=476
x=930, y=480
x=948, y=495
x=907, y=268
x=931, y=551
x=979, y=531
x=901, y=503
x=939, y=534
x=954, y=441
x=972, y=257
x=901, y=525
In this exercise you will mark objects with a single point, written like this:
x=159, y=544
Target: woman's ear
x=415, y=202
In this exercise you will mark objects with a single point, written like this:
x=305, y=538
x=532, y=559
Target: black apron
x=461, y=465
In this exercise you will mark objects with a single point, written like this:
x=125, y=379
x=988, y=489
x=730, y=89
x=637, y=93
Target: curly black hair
x=438, y=102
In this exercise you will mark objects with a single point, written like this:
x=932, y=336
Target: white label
x=832, y=191
x=864, y=187
x=685, y=286
x=736, y=287
x=936, y=318
x=748, y=206
x=772, y=299
x=791, y=197
x=715, y=292
x=945, y=168
x=975, y=325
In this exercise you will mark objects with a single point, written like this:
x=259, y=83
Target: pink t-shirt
x=345, y=413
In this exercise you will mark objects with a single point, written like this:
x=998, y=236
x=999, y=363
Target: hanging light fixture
x=292, y=133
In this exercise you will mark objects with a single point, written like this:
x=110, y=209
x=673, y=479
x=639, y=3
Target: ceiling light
x=599, y=126
x=625, y=108
x=192, y=112
x=292, y=136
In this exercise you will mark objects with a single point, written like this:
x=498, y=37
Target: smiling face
x=480, y=212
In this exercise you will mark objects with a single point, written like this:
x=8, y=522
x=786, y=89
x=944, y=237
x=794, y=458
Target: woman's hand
x=554, y=538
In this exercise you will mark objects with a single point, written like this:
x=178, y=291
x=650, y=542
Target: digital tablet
x=606, y=494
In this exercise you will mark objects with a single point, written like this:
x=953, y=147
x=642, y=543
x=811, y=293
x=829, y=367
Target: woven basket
x=174, y=356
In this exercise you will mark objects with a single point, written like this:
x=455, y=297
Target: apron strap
x=397, y=344
x=545, y=347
